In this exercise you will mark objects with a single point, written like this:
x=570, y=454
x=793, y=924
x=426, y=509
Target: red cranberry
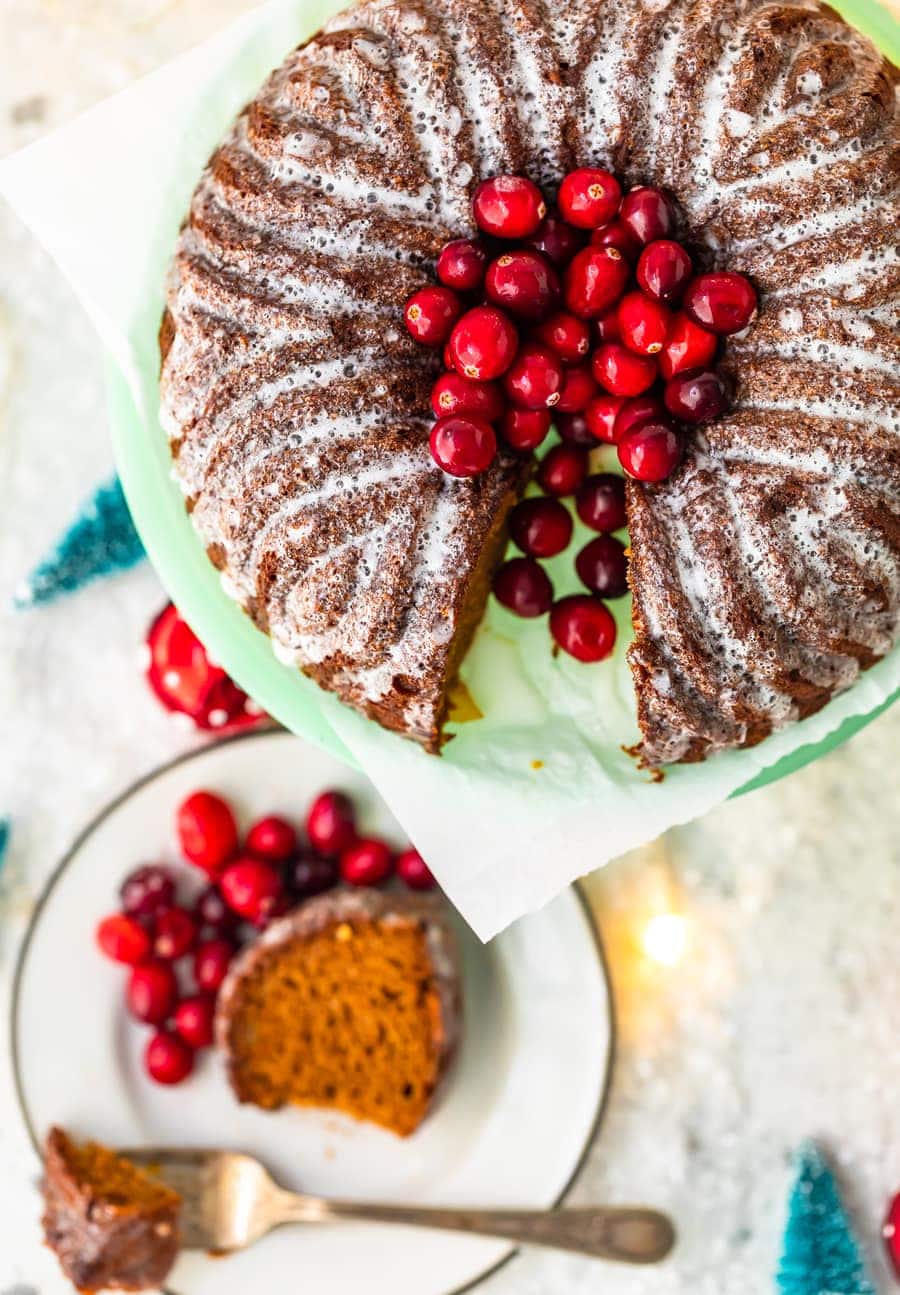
x=650, y=452
x=600, y=502
x=617, y=235
x=331, y=823
x=146, y=890
x=207, y=832
x=556, y=240
x=540, y=527
x=523, y=283
x=643, y=323
x=461, y=264
x=574, y=429
x=270, y=912
x=603, y=567
x=523, y=586
x=722, y=302
x=606, y=326
x=688, y=346
x=663, y=270
x=152, y=991
x=567, y=335
x=641, y=409
x=431, y=313
x=414, y=871
x=250, y=887
x=123, y=939
x=272, y=838
x=621, y=372
x=578, y=389
x=536, y=377
x=594, y=280
x=211, y=961
x=583, y=627
x=168, y=1059
x=463, y=447
x=453, y=394
x=367, y=863
x=648, y=213
x=696, y=396
x=508, y=206
x=525, y=429
x=174, y=933
x=891, y=1233
x=589, y=197
x=483, y=344
x=600, y=417
x=213, y=913
x=311, y=875
x=562, y=469
x=193, y=1020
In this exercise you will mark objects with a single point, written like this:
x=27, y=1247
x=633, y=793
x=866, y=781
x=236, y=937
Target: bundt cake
x=766, y=570
x=111, y=1225
x=350, y=1002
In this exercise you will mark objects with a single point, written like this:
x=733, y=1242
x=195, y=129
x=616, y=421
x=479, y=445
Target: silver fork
x=229, y=1201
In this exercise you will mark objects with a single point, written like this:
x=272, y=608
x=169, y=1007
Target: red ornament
x=891, y=1233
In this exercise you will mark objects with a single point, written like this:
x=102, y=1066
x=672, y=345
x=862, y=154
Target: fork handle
x=627, y=1234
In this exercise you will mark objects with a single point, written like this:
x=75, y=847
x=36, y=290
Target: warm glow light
x=664, y=938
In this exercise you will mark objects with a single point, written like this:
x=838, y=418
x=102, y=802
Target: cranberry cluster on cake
x=765, y=568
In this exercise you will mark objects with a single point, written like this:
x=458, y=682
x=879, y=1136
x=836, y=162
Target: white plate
x=518, y=1112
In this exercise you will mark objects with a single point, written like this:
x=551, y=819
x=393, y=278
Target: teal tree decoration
x=4, y=839
x=821, y=1254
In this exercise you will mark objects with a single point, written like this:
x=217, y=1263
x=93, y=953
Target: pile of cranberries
x=179, y=950
x=592, y=317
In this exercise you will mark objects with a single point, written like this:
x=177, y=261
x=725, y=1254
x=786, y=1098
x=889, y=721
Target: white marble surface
x=781, y=1020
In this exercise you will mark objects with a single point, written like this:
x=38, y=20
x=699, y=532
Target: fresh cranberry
x=331, y=823
x=463, y=447
x=600, y=417
x=643, y=323
x=523, y=283
x=583, y=627
x=594, y=280
x=461, y=264
x=536, y=377
x=431, y=313
x=556, y=240
x=250, y=887
x=211, y=962
x=650, y=452
x=891, y=1233
x=311, y=875
x=146, y=890
x=648, y=213
x=271, y=912
x=621, y=372
x=663, y=270
x=578, y=389
x=414, y=871
x=589, y=197
x=508, y=206
x=603, y=567
x=606, y=326
x=525, y=429
x=617, y=235
x=213, y=913
x=193, y=1020
x=151, y=991
x=696, y=396
x=207, y=832
x=540, y=527
x=367, y=863
x=600, y=502
x=168, y=1059
x=174, y=933
x=574, y=429
x=688, y=346
x=523, y=586
x=272, y=838
x=123, y=939
x=567, y=335
x=640, y=409
x=483, y=344
x=447, y=357
x=562, y=469
x=453, y=394
x=721, y=301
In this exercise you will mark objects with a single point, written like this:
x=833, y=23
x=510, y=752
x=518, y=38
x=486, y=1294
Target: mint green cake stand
x=157, y=506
